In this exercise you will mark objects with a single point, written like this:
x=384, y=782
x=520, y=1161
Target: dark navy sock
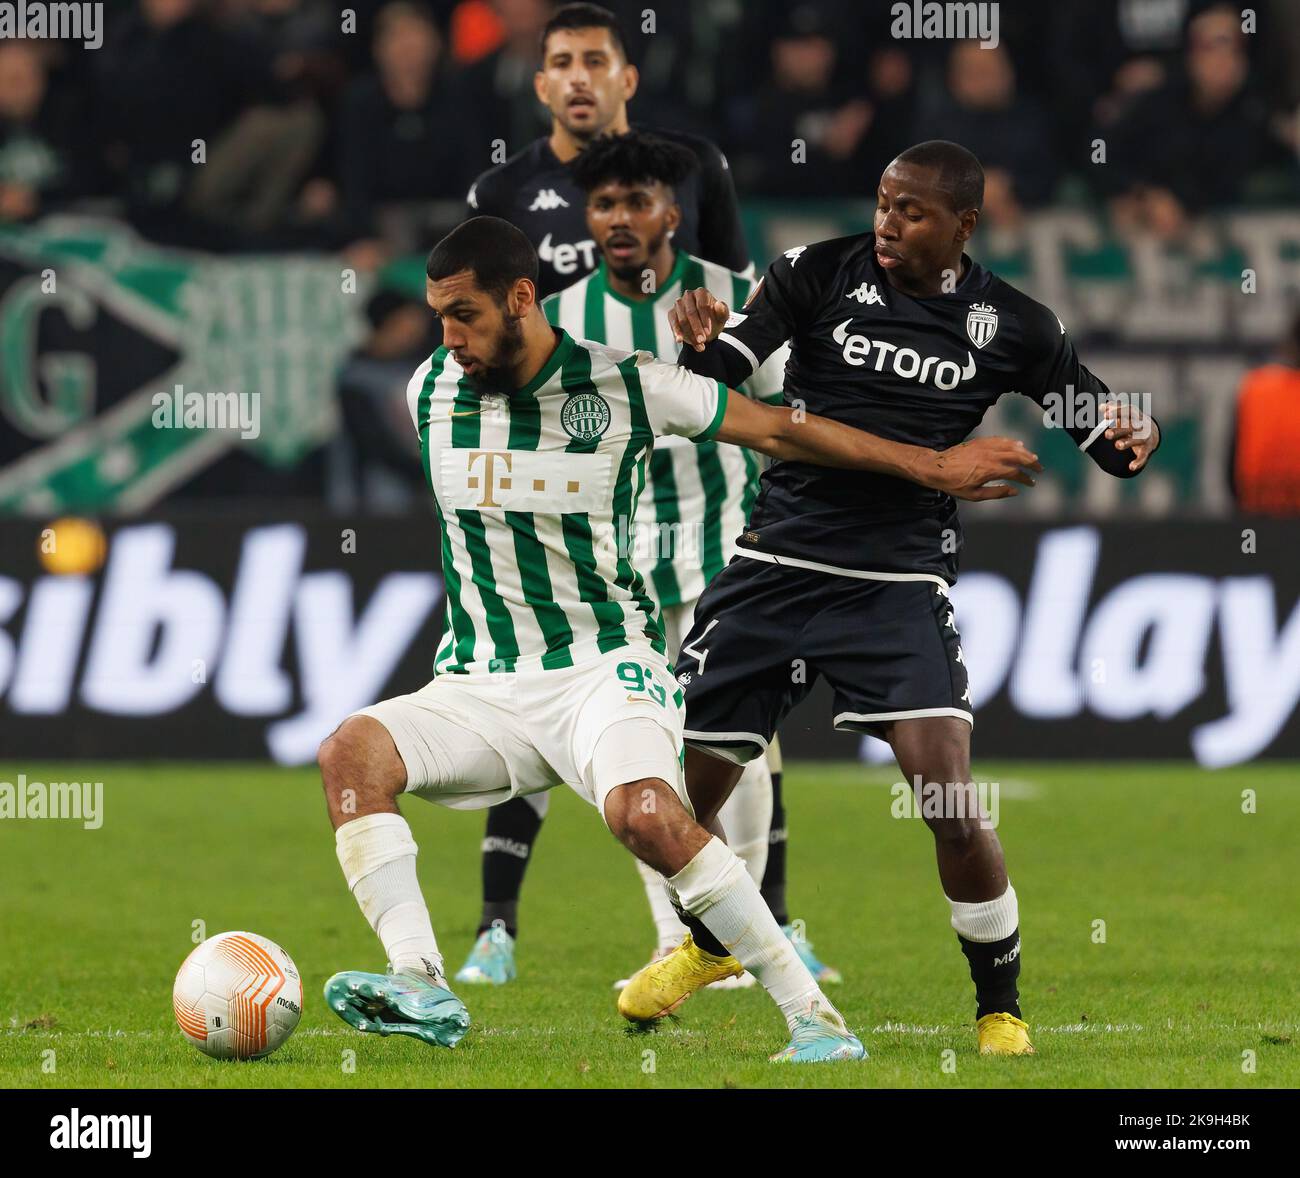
x=773, y=888
x=512, y=829
x=995, y=969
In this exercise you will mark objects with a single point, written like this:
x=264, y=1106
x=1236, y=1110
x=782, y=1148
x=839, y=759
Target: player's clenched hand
x=697, y=318
x=1132, y=430
x=965, y=470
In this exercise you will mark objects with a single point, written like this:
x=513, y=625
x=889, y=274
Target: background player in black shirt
x=586, y=82
x=899, y=332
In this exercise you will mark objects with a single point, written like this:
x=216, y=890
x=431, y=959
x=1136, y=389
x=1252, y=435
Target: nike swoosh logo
x=465, y=413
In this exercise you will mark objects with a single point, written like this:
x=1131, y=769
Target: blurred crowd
x=304, y=124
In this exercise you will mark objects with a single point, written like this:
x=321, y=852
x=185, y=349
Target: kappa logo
x=866, y=295
x=905, y=362
x=981, y=323
x=547, y=200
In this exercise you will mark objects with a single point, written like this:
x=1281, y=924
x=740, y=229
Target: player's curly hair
x=632, y=158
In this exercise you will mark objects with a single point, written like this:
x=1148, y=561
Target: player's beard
x=633, y=271
x=497, y=372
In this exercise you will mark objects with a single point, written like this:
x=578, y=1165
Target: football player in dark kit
x=899, y=332
x=586, y=82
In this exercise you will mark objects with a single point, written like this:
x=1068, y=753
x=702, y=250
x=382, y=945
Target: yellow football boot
x=663, y=985
x=1004, y=1034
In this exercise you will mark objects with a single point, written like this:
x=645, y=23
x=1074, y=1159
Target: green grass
x=1197, y=967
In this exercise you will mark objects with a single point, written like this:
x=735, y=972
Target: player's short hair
x=631, y=158
x=495, y=251
x=961, y=175
x=585, y=16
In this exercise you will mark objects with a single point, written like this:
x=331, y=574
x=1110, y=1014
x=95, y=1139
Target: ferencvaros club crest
x=585, y=416
x=981, y=323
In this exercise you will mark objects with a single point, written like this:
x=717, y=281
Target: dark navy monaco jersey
x=916, y=370
x=536, y=192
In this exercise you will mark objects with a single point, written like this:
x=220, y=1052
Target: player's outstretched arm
x=965, y=470
x=697, y=318
x=1132, y=431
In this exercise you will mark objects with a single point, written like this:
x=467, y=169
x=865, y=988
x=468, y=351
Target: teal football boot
x=822, y=973
x=492, y=960
x=819, y=1037
x=398, y=1004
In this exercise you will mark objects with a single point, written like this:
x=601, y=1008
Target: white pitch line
x=686, y=1032
x=306, y=1032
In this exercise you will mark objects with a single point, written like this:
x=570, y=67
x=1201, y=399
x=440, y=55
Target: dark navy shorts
x=764, y=632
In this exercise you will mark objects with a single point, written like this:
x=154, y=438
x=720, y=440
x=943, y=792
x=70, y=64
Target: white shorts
x=472, y=741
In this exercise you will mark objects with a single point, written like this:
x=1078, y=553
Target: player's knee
x=958, y=828
x=957, y=831
x=635, y=813
x=354, y=759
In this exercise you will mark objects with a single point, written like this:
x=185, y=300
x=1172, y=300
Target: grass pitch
x=1190, y=982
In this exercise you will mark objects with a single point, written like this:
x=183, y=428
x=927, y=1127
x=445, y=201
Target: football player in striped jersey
x=552, y=666
x=697, y=497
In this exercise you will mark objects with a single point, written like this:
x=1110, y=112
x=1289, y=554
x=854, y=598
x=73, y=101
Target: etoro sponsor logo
x=905, y=362
x=568, y=257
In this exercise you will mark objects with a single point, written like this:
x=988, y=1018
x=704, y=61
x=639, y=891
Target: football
x=237, y=996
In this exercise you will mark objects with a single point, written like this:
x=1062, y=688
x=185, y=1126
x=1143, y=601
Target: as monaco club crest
x=981, y=323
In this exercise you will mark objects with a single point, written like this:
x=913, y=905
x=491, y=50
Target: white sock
x=988, y=920
x=668, y=929
x=715, y=887
x=746, y=816
x=377, y=854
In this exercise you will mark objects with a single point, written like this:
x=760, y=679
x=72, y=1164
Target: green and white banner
x=125, y=367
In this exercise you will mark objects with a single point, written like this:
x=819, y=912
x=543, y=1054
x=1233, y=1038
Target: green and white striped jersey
x=536, y=494
x=697, y=498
